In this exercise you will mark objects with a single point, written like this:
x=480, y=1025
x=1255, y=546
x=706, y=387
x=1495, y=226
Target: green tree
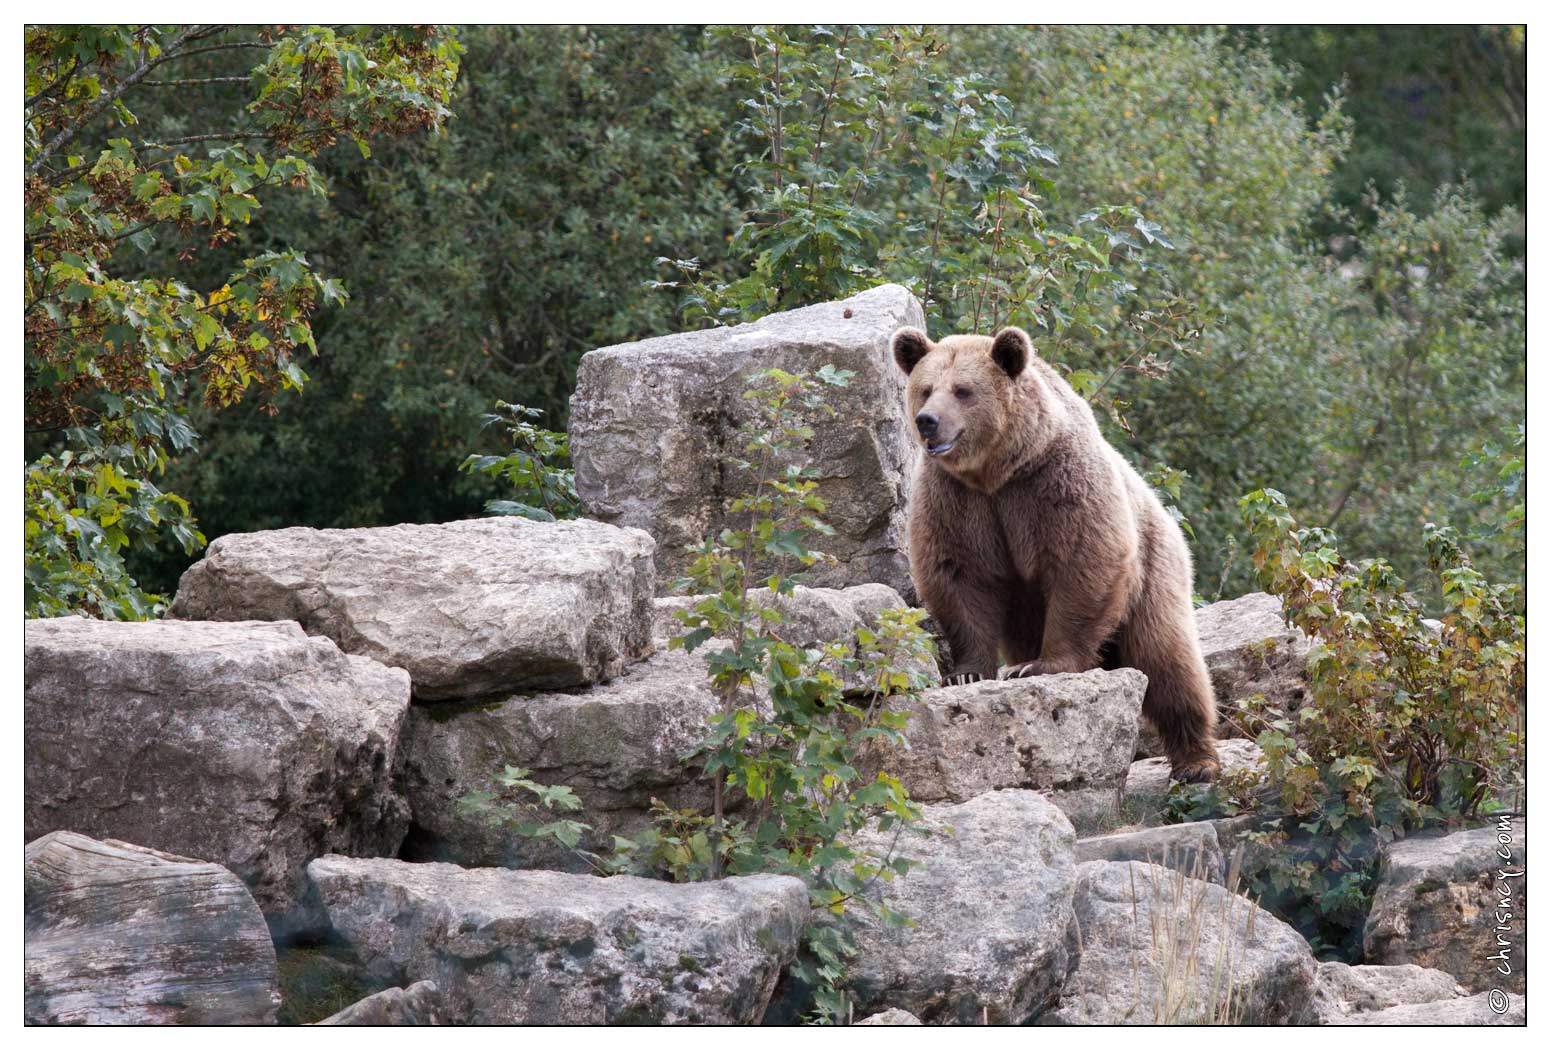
x=116, y=348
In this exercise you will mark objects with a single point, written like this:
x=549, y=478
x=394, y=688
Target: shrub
x=543, y=489
x=1404, y=723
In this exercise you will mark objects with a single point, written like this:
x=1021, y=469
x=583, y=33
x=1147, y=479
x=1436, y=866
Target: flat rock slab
x=248, y=744
x=992, y=902
x=617, y=746
x=893, y=1016
x=1481, y=1009
x=467, y=608
x=1161, y=948
x=120, y=935
x=654, y=423
x=1440, y=900
x=552, y=948
x=420, y=1004
x=1071, y=736
x=1342, y=990
x=1191, y=848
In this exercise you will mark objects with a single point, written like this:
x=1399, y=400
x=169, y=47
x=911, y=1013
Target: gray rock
x=992, y=901
x=893, y=1016
x=420, y=1004
x=1071, y=736
x=1471, y=1010
x=1342, y=990
x=120, y=935
x=249, y=744
x=1455, y=903
x=508, y=947
x=1190, y=848
x=467, y=608
x=654, y=423
x=1160, y=948
x=813, y=617
x=617, y=746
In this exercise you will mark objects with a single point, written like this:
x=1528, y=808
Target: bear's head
x=963, y=392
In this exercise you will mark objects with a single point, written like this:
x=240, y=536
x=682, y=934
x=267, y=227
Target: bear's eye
x=926, y=392
x=962, y=393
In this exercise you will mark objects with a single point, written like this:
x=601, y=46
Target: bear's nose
x=926, y=423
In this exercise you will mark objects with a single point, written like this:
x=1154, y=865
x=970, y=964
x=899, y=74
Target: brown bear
x=1033, y=540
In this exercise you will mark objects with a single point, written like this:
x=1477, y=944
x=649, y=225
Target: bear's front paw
x=1025, y=670
x=963, y=679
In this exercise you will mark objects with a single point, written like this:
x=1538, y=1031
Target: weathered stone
x=617, y=746
x=420, y=1004
x=1481, y=1009
x=120, y=935
x=1249, y=649
x=1342, y=990
x=653, y=426
x=893, y=1016
x=813, y=617
x=992, y=901
x=467, y=608
x=510, y=947
x=1190, y=848
x=249, y=744
x=1160, y=947
x=1440, y=900
x=1071, y=736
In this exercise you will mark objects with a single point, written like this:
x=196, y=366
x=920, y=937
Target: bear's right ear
x=910, y=346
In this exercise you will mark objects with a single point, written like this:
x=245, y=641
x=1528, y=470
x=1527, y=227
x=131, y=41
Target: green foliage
x=115, y=349
x=1429, y=103
x=877, y=156
x=517, y=802
x=1404, y=723
x=790, y=740
x=544, y=490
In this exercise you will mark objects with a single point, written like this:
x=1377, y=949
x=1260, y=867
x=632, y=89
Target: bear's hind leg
x=1160, y=642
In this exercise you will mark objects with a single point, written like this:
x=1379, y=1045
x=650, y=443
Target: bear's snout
x=926, y=423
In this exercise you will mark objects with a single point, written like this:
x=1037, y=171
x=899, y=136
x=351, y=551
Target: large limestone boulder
x=654, y=423
x=812, y=618
x=1191, y=848
x=1071, y=736
x=1342, y=990
x=1158, y=947
x=1455, y=903
x=551, y=948
x=893, y=1016
x=467, y=608
x=1482, y=1009
x=120, y=935
x=249, y=744
x=617, y=746
x=420, y=1004
x=992, y=901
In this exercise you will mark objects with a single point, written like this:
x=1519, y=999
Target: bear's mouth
x=941, y=448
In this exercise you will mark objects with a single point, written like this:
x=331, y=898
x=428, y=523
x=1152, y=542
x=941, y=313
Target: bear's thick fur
x=1032, y=539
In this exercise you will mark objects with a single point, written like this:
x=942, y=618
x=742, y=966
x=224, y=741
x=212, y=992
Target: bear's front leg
x=1082, y=613
x=970, y=618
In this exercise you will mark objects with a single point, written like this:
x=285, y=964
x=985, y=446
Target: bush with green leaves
x=543, y=488
x=876, y=155
x=1405, y=723
x=115, y=348
x=792, y=757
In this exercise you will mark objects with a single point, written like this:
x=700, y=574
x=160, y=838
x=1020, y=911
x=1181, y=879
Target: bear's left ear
x=1011, y=349
x=910, y=346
